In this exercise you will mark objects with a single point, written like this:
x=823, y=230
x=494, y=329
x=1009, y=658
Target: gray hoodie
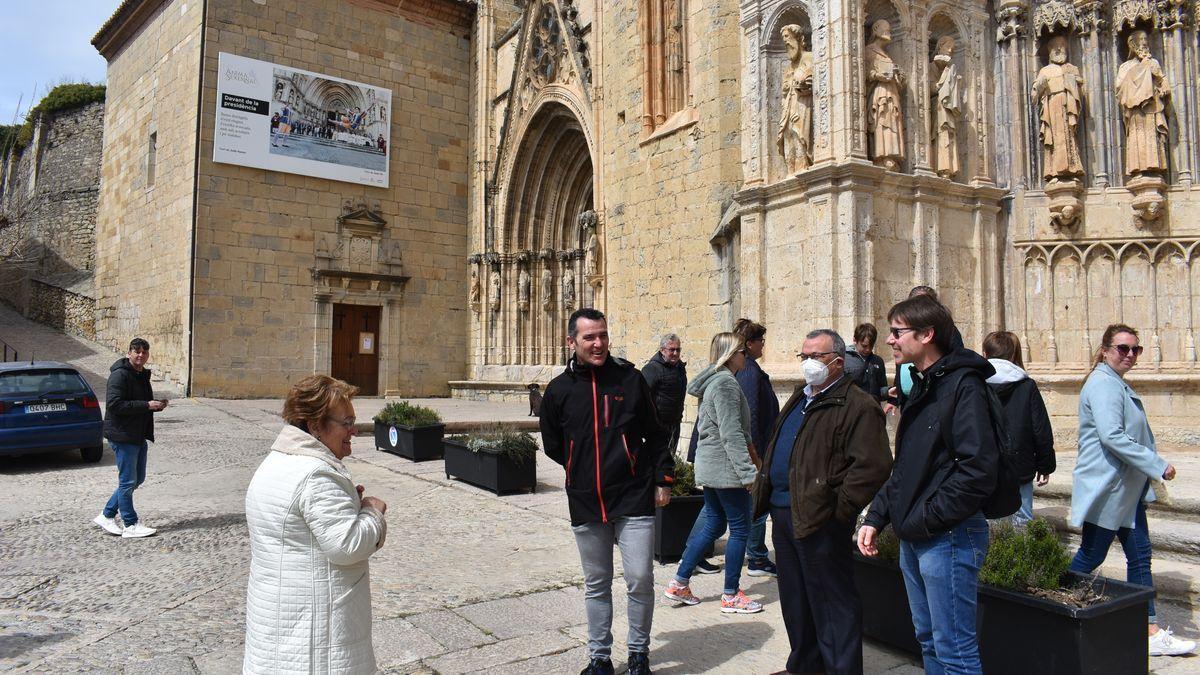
x=722, y=454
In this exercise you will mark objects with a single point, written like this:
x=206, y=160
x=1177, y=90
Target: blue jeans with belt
x=1096, y=540
x=941, y=576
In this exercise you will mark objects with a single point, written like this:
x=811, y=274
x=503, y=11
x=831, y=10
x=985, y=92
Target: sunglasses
x=1126, y=350
x=897, y=332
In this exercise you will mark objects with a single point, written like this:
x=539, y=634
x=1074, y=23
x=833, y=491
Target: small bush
x=1023, y=559
x=518, y=446
x=888, y=544
x=403, y=413
x=62, y=97
x=685, y=478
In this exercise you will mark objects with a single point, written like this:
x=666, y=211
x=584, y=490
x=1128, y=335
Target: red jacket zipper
x=596, y=431
x=570, y=451
x=632, y=461
x=607, y=418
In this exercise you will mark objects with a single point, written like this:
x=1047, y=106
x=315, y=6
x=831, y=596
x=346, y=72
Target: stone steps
x=1175, y=503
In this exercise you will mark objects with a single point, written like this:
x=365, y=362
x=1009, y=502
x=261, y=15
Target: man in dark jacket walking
x=827, y=457
x=599, y=422
x=128, y=424
x=940, y=483
x=666, y=374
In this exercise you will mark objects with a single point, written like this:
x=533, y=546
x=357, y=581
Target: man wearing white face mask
x=827, y=457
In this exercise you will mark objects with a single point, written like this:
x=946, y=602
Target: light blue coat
x=1117, y=456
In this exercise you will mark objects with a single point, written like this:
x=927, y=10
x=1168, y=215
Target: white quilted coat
x=308, y=605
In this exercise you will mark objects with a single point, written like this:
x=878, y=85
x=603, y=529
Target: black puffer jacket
x=868, y=372
x=668, y=384
x=934, y=488
x=601, y=425
x=1026, y=418
x=127, y=415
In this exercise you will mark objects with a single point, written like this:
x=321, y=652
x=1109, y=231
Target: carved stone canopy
x=361, y=219
x=1053, y=16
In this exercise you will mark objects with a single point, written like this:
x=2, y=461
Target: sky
x=44, y=43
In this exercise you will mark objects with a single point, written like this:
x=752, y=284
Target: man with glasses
x=827, y=457
x=128, y=424
x=943, y=477
x=666, y=373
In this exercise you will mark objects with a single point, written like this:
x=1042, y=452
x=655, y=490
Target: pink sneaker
x=738, y=603
x=681, y=593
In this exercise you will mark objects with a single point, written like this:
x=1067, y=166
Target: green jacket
x=723, y=428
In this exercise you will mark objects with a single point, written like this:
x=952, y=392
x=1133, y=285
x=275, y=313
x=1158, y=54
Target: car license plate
x=46, y=407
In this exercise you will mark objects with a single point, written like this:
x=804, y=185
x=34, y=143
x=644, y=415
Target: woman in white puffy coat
x=308, y=605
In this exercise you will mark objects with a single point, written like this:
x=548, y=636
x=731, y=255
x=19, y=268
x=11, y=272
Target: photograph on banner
x=285, y=119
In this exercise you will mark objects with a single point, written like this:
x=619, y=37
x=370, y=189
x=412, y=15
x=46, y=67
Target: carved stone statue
x=523, y=289
x=475, y=290
x=1142, y=93
x=547, y=289
x=795, y=122
x=947, y=108
x=494, y=292
x=588, y=222
x=885, y=84
x=1058, y=90
x=568, y=289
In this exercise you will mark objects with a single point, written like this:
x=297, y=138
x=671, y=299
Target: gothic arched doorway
x=547, y=212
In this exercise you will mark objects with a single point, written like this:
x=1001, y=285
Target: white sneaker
x=109, y=525
x=1163, y=643
x=137, y=530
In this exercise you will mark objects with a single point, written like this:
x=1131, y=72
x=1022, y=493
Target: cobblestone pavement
x=468, y=582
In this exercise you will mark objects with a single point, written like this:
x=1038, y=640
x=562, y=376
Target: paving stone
x=504, y=652
x=398, y=641
x=451, y=630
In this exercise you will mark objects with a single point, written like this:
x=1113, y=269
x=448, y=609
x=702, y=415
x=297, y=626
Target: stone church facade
x=681, y=163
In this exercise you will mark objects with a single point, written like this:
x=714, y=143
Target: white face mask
x=815, y=372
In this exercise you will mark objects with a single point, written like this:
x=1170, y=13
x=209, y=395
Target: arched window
x=664, y=56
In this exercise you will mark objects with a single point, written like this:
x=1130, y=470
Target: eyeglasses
x=814, y=355
x=675, y=350
x=897, y=332
x=348, y=423
x=1125, y=350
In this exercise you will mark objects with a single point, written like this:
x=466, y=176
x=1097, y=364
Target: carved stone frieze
x=1129, y=12
x=1090, y=16
x=1053, y=16
x=1171, y=14
x=1010, y=20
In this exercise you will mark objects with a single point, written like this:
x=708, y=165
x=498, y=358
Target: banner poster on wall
x=284, y=119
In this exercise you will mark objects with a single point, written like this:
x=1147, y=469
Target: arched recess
x=549, y=185
x=776, y=63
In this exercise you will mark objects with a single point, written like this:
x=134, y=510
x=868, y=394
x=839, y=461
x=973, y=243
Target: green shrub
x=518, y=446
x=1023, y=559
x=888, y=544
x=62, y=97
x=685, y=478
x=403, y=413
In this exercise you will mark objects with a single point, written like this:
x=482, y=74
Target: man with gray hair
x=666, y=373
x=827, y=457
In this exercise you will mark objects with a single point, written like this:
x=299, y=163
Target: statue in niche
x=1142, y=93
x=547, y=289
x=591, y=249
x=568, y=289
x=1058, y=90
x=947, y=106
x=523, y=289
x=795, y=124
x=674, y=56
x=475, y=290
x=885, y=84
x=494, y=292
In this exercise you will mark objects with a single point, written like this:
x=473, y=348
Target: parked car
x=45, y=406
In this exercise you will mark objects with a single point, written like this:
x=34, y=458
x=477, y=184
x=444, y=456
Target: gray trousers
x=635, y=538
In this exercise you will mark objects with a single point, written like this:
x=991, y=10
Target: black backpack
x=1006, y=499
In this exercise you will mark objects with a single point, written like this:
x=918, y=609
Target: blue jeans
x=942, y=579
x=1025, y=513
x=725, y=506
x=756, y=545
x=1096, y=540
x=131, y=472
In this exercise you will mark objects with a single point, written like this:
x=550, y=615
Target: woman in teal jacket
x=1117, y=460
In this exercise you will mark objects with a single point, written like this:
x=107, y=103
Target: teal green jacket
x=722, y=451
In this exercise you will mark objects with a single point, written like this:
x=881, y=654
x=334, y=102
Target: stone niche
x=840, y=242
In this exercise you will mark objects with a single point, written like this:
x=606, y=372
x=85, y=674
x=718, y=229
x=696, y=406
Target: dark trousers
x=821, y=609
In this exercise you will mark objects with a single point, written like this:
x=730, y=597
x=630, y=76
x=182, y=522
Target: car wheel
x=92, y=455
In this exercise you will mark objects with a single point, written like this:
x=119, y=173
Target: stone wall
x=144, y=226
x=260, y=319
x=48, y=200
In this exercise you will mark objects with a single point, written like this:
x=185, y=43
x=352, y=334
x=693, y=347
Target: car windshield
x=41, y=383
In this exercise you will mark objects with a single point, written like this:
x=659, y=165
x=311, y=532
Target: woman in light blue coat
x=1117, y=460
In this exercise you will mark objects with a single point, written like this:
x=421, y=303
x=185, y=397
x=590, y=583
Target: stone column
x=925, y=240
x=755, y=94
x=753, y=260
x=823, y=96
x=1171, y=28
x=1096, y=123
x=1012, y=139
x=918, y=113
x=1113, y=143
x=845, y=78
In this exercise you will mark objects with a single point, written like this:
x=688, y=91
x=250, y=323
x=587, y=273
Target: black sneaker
x=639, y=663
x=598, y=667
x=762, y=568
x=705, y=567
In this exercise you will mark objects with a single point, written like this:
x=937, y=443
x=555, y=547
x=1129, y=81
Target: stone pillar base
x=1148, y=201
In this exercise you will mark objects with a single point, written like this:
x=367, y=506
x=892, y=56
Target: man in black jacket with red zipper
x=599, y=422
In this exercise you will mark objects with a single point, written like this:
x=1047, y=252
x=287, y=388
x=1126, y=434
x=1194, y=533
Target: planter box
x=672, y=525
x=495, y=473
x=1020, y=633
x=415, y=443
